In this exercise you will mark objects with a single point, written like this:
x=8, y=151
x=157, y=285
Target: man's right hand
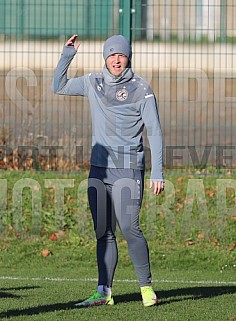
x=71, y=42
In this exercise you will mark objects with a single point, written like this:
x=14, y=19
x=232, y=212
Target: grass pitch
x=33, y=287
x=193, y=265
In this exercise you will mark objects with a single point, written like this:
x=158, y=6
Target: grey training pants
x=115, y=195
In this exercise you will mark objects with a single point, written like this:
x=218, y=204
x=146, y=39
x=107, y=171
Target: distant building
x=191, y=19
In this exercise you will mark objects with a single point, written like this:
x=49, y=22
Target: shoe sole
x=80, y=305
x=150, y=303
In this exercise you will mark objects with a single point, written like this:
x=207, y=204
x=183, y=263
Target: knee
x=130, y=232
x=108, y=236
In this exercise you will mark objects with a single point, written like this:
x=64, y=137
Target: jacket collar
x=111, y=80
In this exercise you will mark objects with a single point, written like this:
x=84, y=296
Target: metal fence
x=185, y=49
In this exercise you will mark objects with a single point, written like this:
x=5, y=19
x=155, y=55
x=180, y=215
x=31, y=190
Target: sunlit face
x=117, y=63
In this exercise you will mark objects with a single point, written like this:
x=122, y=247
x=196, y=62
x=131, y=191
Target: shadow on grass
x=194, y=293
x=166, y=297
x=4, y=292
x=180, y=294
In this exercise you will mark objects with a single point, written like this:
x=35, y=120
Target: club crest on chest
x=122, y=94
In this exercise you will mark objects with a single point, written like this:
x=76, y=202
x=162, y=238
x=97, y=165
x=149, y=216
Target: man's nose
x=117, y=58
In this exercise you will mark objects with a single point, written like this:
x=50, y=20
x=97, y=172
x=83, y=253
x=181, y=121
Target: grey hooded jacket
x=120, y=108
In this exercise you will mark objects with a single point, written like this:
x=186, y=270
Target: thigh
x=127, y=195
x=100, y=202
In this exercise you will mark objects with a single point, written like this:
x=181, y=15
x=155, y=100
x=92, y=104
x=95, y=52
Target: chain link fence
x=184, y=49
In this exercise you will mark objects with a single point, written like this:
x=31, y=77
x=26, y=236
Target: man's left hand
x=158, y=187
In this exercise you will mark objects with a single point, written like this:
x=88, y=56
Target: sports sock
x=104, y=290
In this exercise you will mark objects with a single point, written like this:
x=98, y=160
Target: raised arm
x=61, y=84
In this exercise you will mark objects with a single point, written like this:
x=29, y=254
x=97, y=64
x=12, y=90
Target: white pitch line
x=119, y=281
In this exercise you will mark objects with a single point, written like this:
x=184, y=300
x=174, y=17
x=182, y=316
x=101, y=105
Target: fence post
x=21, y=18
x=223, y=21
x=125, y=22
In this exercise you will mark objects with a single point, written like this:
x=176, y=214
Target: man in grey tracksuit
x=121, y=104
